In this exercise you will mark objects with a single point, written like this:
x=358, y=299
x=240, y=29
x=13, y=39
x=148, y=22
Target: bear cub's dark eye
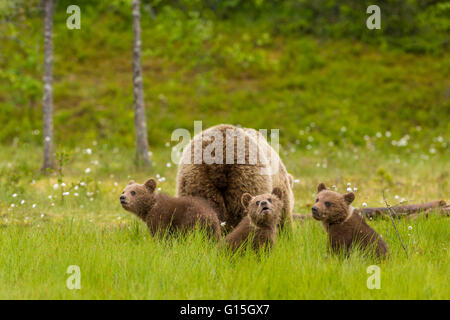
x=257, y=203
x=328, y=204
x=133, y=193
x=317, y=200
x=270, y=200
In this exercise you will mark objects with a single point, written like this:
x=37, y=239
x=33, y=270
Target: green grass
x=126, y=263
x=119, y=259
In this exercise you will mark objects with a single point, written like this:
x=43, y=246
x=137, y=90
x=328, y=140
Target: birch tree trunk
x=140, y=125
x=47, y=100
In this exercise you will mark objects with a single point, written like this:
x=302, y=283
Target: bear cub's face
x=264, y=209
x=135, y=197
x=330, y=206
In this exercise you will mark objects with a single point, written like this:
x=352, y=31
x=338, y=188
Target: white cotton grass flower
x=410, y=227
x=34, y=205
x=396, y=197
x=42, y=216
x=50, y=196
x=348, y=184
x=168, y=164
x=66, y=193
x=63, y=184
x=76, y=194
x=52, y=204
x=115, y=184
x=222, y=224
x=22, y=202
x=167, y=144
x=14, y=195
x=87, y=170
x=82, y=183
x=364, y=204
x=158, y=176
x=349, y=189
x=296, y=180
x=76, y=187
x=88, y=151
x=355, y=189
x=12, y=205
x=159, y=189
x=55, y=186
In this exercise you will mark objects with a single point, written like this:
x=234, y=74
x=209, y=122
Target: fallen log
x=403, y=210
x=411, y=210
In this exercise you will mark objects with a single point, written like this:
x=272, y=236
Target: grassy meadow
x=41, y=236
x=369, y=108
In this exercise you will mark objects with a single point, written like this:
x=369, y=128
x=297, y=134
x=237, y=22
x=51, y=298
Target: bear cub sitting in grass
x=344, y=225
x=162, y=212
x=261, y=222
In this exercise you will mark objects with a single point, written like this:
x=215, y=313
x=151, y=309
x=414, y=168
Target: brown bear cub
x=162, y=212
x=261, y=222
x=344, y=225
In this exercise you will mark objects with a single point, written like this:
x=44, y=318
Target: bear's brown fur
x=344, y=225
x=224, y=184
x=261, y=223
x=162, y=212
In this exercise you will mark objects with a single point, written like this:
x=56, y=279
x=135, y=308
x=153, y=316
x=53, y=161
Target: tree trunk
x=140, y=125
x=47, y=100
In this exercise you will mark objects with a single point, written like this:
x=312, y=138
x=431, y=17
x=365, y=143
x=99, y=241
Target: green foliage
x=240, y=62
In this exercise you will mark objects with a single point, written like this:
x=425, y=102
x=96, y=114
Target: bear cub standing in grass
x=261, y=222
x=344, y=225
x=162, y=212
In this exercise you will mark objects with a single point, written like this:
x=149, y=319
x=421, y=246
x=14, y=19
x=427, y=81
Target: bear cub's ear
x=277, y=192
x=131, y=182
x=150, y=184
x=349, y=197
x=245, y=199
x=321, y=187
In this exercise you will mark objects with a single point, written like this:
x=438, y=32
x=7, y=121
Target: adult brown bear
x=223, y=162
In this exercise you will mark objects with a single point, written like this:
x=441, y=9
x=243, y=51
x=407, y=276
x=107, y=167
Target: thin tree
x=140, y=125
x=47, y=100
